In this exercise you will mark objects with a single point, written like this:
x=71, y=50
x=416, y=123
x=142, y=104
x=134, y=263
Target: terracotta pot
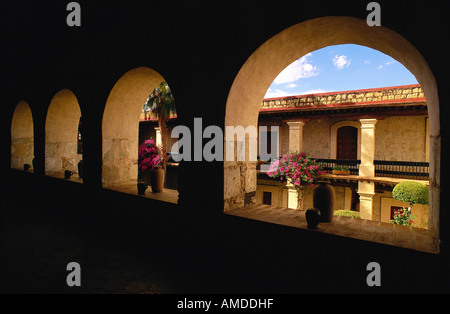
x=341, y=172
x=67, y=174
x=142, y=186
x=323, y=200
x=80, y=169
x=157, y=179
x=312, y=217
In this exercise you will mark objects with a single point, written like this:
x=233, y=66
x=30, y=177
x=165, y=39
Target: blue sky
x=339, y=68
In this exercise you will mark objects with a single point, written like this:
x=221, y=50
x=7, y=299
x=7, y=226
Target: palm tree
x=161, y=105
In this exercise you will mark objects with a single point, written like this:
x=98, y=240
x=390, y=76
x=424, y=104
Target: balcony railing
x=383, y=168
x=402, y=169
x=330, y=164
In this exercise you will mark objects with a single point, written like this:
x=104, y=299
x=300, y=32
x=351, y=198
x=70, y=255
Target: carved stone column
x=295, y=135
x=366, y=189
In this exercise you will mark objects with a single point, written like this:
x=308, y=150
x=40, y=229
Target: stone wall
x=21, y=152
x=401, y=138
x=61, y=156
x=411, y=92
x=22, y=136
x=120, y=159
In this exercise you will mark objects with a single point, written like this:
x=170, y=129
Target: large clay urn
x=157, y=179
x=323, y=200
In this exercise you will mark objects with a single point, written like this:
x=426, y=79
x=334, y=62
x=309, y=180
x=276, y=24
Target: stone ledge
x=168, y=195
x=367, y=230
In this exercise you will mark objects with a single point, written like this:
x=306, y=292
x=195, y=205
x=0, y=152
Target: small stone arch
x=61, y=134
x=22, y=136
x=120, y=125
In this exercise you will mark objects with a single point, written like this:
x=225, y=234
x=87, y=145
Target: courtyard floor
x=167, y=195
x=374, y=231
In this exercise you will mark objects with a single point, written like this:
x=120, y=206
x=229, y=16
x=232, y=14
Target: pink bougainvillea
x=149, y=156
x=296, y=168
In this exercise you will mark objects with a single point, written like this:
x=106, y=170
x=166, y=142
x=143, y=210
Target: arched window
x=347, y=143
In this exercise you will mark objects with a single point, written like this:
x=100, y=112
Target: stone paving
x=34, y=253
x=375, y=231
x=168, y=195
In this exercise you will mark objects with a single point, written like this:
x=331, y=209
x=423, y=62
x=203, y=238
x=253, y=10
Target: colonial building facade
x=380, y=135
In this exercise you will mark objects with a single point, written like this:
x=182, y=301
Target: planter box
x=341, y=172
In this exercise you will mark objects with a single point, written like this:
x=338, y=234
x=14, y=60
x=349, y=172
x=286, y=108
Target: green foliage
x=161, y=102
x=411, y=192
x=340, y=168
x=403, y=217
x=347, y=213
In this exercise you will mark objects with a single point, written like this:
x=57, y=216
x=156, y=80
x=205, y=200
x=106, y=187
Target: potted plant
x=150, y=163
x=161, y=105
x=410, y=192
x=341, y=170
x=296, y=169
x=259, y=162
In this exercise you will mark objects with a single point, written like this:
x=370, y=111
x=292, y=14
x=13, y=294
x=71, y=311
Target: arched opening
x=62, y=154
x=355, y=126
x=122, y=132
x=256, y=75
x=347, y=143
x=22, y=137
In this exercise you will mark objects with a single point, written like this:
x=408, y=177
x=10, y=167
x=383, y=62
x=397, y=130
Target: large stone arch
x=120, y=125
x=258, y=72
x=61, y=134
x=22, y=136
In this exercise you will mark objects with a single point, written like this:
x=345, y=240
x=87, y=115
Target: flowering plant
x=296, y=168
x=402, y=217
x=149, y=156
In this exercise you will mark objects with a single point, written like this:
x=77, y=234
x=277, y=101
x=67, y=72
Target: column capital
x=296, y=121
x=368, y=123
x=295, y=124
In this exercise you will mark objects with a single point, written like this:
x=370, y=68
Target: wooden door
x=347, y=143
x=267, y=198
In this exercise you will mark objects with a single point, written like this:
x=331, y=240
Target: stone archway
x=22, y=136
x=256, y=75
x=61, y=134
x=333, y=138
x=120, y=125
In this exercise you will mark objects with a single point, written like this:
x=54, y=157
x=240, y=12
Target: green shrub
x=411, y=192
x=403, y=217
x=347, y=213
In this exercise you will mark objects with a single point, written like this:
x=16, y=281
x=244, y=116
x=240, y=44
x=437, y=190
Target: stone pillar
x=292, y=197
x=366, y=189
x=158, y=136
x=367, y=168
x=366, y=201
x=295, y=136
x=295, y=145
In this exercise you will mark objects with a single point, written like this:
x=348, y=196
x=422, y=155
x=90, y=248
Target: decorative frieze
x=408, y=92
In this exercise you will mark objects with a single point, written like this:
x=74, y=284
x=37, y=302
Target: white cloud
x=341, y=61
x=387, y=63
x=297, y=70
x=291, y=85
x=390, y=62
x=282, y=93
x=276, y=93
x=314, y=91
x=367, y=62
